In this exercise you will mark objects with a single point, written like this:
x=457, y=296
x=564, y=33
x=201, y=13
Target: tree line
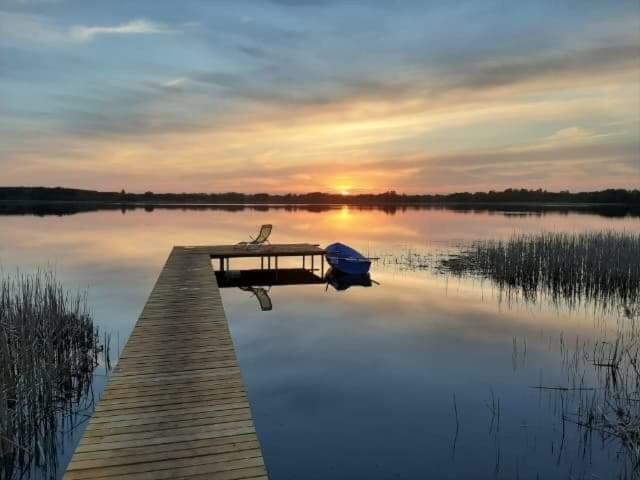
x=510, y=195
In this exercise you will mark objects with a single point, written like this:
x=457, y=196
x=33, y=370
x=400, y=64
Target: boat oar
x=356, y=259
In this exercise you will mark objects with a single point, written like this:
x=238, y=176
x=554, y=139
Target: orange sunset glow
x=156, y=102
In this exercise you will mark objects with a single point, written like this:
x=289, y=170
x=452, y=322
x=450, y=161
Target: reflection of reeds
x=598, y=266
x=609, y=405
x=48, y=351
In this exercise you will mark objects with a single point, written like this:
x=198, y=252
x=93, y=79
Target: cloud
x=570, y=135
x=21, y=28
x=295, y=91
x=134, y=27
x=176, y=83
x=562, y=67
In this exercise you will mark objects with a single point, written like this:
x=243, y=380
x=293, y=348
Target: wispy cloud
x=135, y=27
x=37, y=29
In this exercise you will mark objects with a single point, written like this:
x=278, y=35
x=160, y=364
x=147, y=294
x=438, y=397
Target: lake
x=421, y=375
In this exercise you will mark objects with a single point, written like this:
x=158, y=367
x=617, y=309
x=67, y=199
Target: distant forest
x=45, y=194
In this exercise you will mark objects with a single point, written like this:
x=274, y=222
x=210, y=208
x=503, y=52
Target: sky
x=343, y=96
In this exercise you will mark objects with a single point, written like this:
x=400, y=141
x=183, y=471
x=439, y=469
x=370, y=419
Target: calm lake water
x=422, y=375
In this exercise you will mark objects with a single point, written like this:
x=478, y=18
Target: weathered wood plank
x=164, y=464
x=182, y=450
x=169, y=456
x=210, y=466
x=132, y=427
x=159, y=412
x=175, y=406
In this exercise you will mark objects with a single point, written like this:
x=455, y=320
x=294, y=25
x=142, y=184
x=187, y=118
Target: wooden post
x=313, y=257
x=322, y=263
x=269, y=262
x=304, y=260
x=261, y=263
x=221, y=264
x=276, y=260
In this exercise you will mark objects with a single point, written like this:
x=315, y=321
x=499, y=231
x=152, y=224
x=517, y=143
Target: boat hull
x=347, y=260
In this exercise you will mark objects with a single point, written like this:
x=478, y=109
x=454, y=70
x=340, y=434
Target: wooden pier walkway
x=175, y=406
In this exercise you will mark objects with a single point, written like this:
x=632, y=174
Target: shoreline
x=327, y=204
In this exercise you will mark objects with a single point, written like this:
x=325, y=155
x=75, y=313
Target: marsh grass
x=603, y=267
x=49, y=349
x=410, y=260
x=601, y=395
x=600, y=391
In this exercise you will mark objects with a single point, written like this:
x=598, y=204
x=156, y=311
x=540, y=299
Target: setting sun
x=343, y=186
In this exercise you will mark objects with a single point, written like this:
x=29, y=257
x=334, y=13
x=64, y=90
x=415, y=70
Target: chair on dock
x=263, y=237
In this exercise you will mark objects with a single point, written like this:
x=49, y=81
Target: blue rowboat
x=347, y=260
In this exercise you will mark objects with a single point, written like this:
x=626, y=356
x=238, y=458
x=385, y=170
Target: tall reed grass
x=49, y=349
x=598, y=266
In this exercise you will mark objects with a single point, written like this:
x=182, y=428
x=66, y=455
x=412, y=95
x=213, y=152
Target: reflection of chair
x=262, y=295
x=263, y=237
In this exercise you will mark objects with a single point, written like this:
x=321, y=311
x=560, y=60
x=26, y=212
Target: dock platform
x=175, y=406
x=266, y=252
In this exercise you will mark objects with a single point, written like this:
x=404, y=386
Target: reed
x=411, y=260
x=602, y=391
x=598, y=266
x=49, y=349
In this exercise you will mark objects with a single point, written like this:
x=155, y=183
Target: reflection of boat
x=341, y=281
x=347, y=260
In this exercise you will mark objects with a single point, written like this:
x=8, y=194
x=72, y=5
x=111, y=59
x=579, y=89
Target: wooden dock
x=175, y=406
x=266, y=253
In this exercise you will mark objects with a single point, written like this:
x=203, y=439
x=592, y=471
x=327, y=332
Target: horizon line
x=390, y=192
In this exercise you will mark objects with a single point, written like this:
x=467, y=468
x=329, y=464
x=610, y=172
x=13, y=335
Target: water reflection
x=343, y=281
x=266, y=278
x=358, y=385
x=259, y=282
x=70, y=208
x=389, y=365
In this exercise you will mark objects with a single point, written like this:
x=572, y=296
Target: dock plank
x=175, y=405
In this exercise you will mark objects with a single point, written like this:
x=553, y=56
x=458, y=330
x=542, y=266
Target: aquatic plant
x=602, y=392
x=599, y=266
x=49, y=349
x=410, y=259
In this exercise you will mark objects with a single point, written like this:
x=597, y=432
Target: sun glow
x=344, y=189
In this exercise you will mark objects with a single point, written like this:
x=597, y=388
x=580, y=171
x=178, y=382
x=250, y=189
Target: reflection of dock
x=259, y=282
x=267, y=278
